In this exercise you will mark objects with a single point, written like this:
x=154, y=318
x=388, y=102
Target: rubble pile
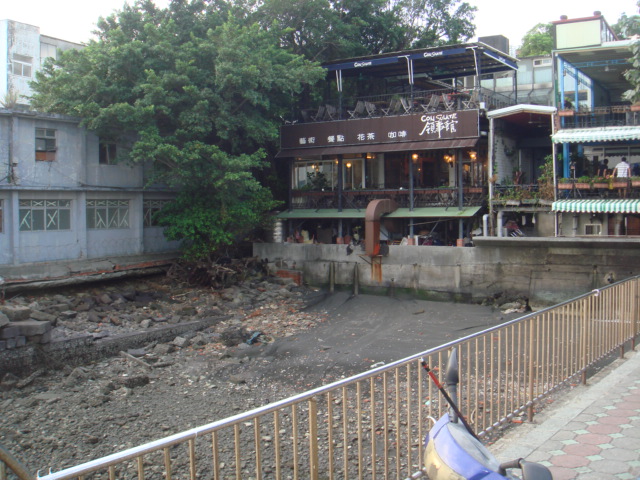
x=60, y=416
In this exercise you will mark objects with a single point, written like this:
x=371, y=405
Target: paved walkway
x=594, y=433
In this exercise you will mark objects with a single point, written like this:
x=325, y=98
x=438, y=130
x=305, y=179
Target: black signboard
x=381, y=130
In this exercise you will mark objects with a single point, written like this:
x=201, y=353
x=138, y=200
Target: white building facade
x=22, y=53
x=62, y=196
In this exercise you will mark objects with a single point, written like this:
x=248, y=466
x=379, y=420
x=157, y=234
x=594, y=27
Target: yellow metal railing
x=373, y=425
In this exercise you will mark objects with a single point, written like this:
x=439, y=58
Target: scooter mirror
x=534, y=471
x=451, y=376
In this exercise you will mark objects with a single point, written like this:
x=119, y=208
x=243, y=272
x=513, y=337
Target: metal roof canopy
x=604, y=64
x=437, y=63
x=597, y=206
x=594, y=135
x=422, y=212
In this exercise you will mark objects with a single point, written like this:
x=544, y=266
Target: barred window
x=151, y=207
x=37, y=215
x=21, y=65
x=107, y=214
x=45, y=144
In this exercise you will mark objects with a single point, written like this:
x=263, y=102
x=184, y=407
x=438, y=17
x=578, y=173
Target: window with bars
x=107, y=214
x=21, y=65
x=45, y=145
x=38, y=215
x=150, y=208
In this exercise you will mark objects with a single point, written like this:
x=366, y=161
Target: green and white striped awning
x=603, y=134
x=597, y=206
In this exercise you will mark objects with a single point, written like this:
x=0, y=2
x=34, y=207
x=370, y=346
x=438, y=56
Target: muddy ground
x=63, y=416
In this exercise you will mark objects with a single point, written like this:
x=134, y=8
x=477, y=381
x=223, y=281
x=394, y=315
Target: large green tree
x=326, y=30
x=537, y=41
x=202, y=90
x=627, y=26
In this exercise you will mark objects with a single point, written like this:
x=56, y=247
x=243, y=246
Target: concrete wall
x=547, y=270
x=74, y=176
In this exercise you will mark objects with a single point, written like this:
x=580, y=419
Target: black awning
x=379, y=148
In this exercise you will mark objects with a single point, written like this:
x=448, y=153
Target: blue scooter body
x=452, y=454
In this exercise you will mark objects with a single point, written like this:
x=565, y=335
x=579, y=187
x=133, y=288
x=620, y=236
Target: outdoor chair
x=406, y=105
x=471, y=102
x=394, y=108
x=447, y=102
x=358, y=111
x=371, y=108
x=319, y=116
x=332, y=112
x=432, y=105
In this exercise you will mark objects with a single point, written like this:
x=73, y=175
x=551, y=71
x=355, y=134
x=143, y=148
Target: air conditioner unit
x=592, y=229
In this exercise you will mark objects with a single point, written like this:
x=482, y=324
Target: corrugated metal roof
x=424, y=212
x=597, y=206
x=604, y=134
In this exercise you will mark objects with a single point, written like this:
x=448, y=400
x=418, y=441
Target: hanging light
x=473, y=155
x=415, y=157
x=348, y=164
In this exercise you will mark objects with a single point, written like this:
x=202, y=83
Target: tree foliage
x=202, y=91
x=632, y=75
x=325, y=30
x=199, y=89
x=627, y=27
x=537, y=41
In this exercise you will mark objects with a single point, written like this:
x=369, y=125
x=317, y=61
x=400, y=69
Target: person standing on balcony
x=603, y=169
x=622, y=169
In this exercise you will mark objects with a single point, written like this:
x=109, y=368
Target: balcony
x=599, y=188
x=604, y=116
x=405, y=103
x=359, y=199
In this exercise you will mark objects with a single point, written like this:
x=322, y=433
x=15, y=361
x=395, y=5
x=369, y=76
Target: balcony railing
x=421, y=101
x=606, y=116
x=599, y=188
x=359, y=199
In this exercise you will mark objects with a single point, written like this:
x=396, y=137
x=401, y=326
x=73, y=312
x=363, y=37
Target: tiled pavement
x=594, y=433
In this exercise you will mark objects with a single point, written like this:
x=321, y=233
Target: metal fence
x=372, y=425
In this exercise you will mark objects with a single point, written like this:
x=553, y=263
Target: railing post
x=530, y=410
x=622, y=303
x=313, y=439
x=586, y=311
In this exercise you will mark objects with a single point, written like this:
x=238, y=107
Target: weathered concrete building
x=62, y=195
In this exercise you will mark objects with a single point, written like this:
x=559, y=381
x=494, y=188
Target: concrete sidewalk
x=593, y=433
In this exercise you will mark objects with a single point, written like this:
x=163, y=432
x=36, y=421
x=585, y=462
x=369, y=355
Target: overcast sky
x=75, y=19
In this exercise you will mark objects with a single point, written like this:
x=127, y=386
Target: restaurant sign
x=381, y=130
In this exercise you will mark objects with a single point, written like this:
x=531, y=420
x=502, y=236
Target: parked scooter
x=454, y=452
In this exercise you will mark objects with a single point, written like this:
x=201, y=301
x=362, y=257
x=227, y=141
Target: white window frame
x=107, y=214
x=46, y=144
x=21, y=65
x=44, y=215
x=149, y=209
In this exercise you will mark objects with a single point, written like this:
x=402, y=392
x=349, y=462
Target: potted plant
x=599, y=182
x=565, y=183
x=583, y=182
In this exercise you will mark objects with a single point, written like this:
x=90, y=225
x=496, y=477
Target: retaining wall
x=547, y=270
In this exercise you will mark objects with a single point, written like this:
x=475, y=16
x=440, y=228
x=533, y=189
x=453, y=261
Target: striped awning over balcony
x=597, y=206
x=604, y=134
